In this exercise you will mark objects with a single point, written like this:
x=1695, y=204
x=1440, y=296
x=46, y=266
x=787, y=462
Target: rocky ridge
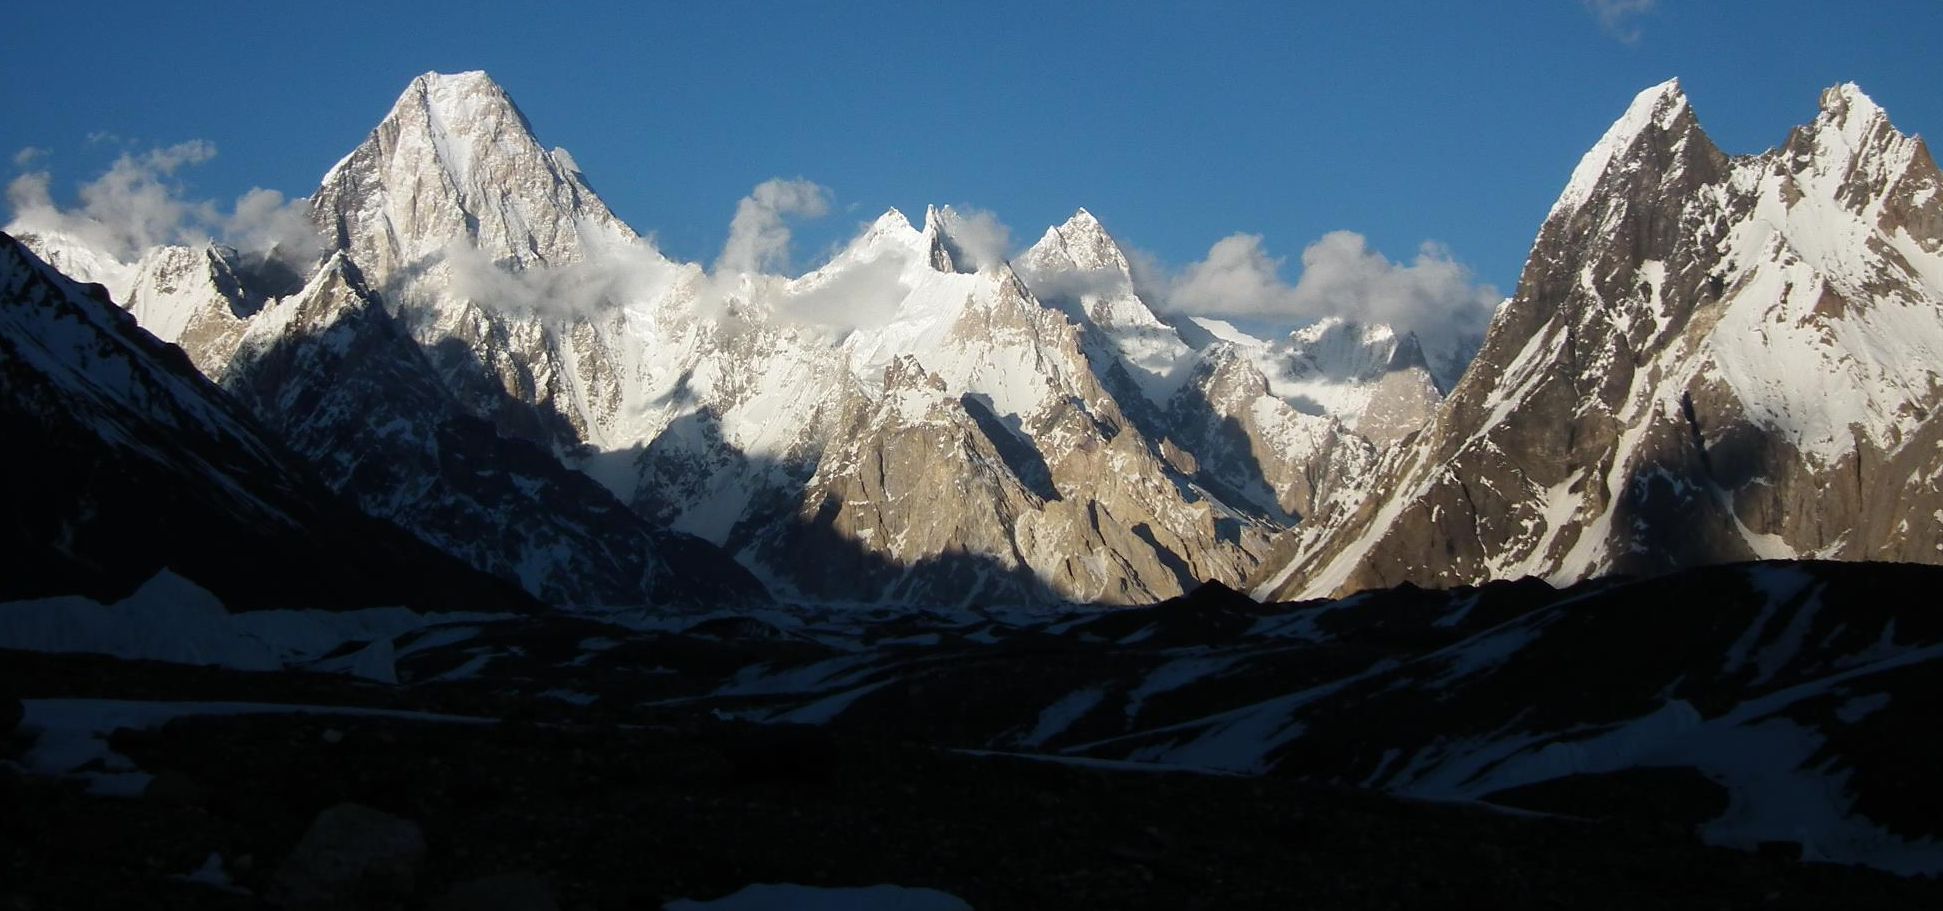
x=1117, y=461
x=1710, y=358
x=126, y=460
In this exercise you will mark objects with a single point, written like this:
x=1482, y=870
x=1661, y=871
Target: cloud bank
x=615, y=273
x=137, y=204
x=1433, y=295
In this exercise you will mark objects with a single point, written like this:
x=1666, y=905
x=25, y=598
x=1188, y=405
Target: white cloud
x=1620, y=18
x=862, y=296
x=26, y=157
x=977, y=238
x=264, y=221
x=1433, y=295
x=759, y=233
x=137, y=204
x=1238, y=278
x=615, y=273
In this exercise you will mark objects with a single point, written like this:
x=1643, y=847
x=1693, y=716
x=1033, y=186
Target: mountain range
x=804, y=565
x=1709, y=358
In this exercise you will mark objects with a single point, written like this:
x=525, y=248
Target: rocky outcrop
x=762, y=413
x=125, y=461
x=451, y=196
x=1709, y=358
x=329, y=369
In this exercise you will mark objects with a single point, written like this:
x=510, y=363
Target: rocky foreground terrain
x=1411, y=748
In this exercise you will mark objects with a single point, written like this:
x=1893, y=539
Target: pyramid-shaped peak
x=1081, y=243
x=455, y=160
x=1083, y=228
x=338, y=269
x=1667, y=91
x=1854, y=147
x=459, y=98
x=890, y=234
x=892, y=221
x=446, y=89
x=1659, y=108
x=465, y=79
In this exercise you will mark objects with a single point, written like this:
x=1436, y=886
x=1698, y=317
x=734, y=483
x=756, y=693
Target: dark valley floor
x=1454, y=749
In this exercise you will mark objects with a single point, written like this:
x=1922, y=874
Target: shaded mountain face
x=330, y=371
x=1709, y=358
x=760, y=414
x=124, y=461
x=1093, y=450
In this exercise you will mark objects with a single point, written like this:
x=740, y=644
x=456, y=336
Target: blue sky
x=1178, y=124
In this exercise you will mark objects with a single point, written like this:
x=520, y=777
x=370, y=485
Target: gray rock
x=1709, y=359
x=352, y=854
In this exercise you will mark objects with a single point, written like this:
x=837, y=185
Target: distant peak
x=1657, y=108
x=890, y=232
x=935, y=218
x=891, y=220
x=1847, y=103
x=466, y=79
x=1668, y=89
x=1845, y=95
x=458, y=97
x=1081, y=243
x=1084, y=225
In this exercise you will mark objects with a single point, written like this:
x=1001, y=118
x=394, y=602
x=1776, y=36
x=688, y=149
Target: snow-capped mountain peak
x=955, y=243
x=1659, y=108
x=455, y=161
x=1709, y=358
x=1082, y=244
x=890, y=235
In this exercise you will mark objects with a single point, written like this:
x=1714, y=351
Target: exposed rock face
x=758, y=412
x=991, y=457
x=1207, y=404
x=1103, y=456
x=125, y=461
x=198, y=298
x=1376, y=381
x=331, y=371
x=455, y=159
x=450, y=194
x=1255, y=442
x=1709, y=358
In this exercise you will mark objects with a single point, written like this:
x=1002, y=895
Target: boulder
x=351, y=856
